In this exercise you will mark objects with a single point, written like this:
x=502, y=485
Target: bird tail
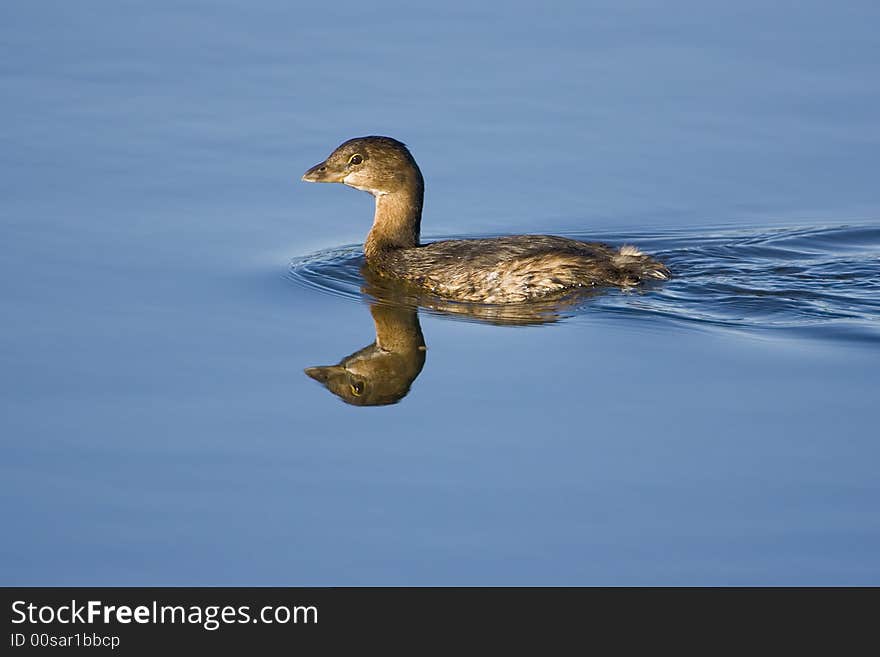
x=635, y=266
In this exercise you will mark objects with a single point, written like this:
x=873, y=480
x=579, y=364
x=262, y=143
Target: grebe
x=512, y=269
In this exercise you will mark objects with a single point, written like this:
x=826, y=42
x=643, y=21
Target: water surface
x=822, y=281
x=165, y=281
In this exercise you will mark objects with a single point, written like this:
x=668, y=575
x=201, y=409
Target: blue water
x=166, y=279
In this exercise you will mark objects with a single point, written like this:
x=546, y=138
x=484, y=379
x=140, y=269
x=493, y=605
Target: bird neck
x=397, y=221
x=397, y=328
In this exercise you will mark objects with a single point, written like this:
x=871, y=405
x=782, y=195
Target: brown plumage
x=513, y=269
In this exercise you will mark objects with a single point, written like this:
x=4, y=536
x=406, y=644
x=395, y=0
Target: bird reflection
x=383, y=372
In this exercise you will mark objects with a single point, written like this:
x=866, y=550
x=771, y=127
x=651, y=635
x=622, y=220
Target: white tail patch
x=630, y=250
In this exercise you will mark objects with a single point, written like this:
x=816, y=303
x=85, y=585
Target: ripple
x=334, y=271
x=818, y=280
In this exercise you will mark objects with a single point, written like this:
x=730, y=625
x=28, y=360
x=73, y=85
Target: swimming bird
x=496, y=270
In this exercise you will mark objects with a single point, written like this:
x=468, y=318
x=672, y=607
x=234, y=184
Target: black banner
x=149, y=620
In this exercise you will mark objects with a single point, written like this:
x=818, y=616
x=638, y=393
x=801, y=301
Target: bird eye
x=357, y=388
x=356, y=159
